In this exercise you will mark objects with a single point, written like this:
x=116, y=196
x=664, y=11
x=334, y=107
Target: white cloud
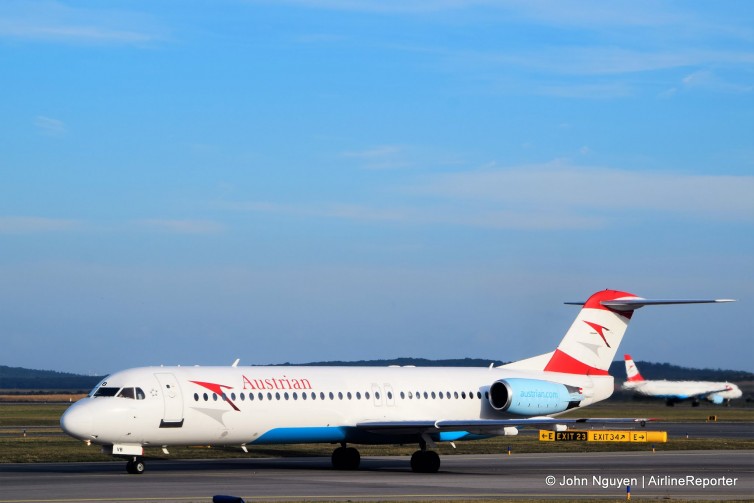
x=23, y=225
x=543, y=197
x=55, y=22
x=389, y=6
x=590, y=91
x=50, y=126
x=562, y=188
x=439, y=214
x=706, y=80
x=380, y=157
x=183, y=226
x=379, y=152
x=318, y=210
x=607, y=60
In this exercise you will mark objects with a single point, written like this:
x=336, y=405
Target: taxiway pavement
x=695, y=475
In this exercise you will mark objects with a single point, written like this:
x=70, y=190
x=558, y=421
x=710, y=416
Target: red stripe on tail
x=562, y=362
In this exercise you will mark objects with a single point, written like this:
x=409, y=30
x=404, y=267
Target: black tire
x=337, y=458
x=416, y=462
x=433, y=462
x=135, y=467
x=425, y=462
x=353, y=458
x=346, y=458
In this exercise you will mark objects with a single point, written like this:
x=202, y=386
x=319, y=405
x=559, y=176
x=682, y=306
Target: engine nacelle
x=532, y=396
x=716, y=399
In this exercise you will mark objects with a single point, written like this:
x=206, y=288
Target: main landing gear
x=424, y=461
x=346, y=458
x=135, y=466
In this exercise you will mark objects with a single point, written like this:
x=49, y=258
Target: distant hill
x=651, y=370
x=12, y=378
x=21, y=378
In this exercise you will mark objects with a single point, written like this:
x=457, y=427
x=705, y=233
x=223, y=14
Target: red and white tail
x=590, y=344
x=632, y=371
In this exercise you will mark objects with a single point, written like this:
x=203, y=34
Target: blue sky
x=195, y=182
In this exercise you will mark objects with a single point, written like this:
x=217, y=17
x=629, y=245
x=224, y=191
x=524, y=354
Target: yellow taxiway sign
x=603, y=436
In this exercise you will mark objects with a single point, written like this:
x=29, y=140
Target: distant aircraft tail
x=632, y=371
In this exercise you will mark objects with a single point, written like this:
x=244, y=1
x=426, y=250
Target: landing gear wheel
x=425, y=462
x=135, y=467
x=346, y=458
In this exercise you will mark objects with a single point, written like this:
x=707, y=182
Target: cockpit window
x=132, y=393
x=126, y=393
x=106, y=391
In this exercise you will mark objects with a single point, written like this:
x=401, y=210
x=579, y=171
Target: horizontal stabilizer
x=631, y=303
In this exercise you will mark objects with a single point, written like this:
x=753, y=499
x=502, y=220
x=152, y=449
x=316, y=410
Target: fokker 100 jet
x=247, y=406
x=677, y=391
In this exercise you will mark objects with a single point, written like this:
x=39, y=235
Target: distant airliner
x=677, y=391
x=167, y=406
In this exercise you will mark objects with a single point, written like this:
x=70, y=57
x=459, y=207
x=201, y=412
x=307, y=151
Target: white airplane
x=676, y=391
x=242, y=406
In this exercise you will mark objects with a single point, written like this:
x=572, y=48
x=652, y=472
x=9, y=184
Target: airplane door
x=172, y=416
x=389, y=398
x=376, y=395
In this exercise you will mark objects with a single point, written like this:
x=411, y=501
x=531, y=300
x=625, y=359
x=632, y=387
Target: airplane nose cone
x=77, y=422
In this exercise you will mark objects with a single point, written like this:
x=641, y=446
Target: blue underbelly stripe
x=303, y=435
x=336, y=434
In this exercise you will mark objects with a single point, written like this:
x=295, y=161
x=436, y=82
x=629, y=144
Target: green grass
x=31, y=414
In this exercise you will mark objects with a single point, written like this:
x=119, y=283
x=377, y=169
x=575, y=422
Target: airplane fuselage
x=683, y=390
x=267, y=405
x=164, y=406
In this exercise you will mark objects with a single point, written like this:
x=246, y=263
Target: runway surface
x=676, y=474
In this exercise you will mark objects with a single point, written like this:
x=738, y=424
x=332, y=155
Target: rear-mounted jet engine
x=533, y=396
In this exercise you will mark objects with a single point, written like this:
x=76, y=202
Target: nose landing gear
x=135, y=466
